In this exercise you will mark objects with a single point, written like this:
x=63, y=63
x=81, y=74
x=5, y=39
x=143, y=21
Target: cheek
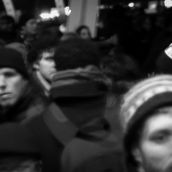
x=44, y=65
x=44, y=69
x=19, y=87
x=157, y=156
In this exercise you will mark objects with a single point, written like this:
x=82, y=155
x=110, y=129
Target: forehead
x=161, y=119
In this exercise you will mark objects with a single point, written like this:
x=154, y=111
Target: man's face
x=30, y=26
x=12, y=86
x=84, y=34
x=46, y=65
x=155, y=147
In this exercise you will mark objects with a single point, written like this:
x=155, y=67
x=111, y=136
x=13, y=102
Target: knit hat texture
x=13, y=59
x=144, y=97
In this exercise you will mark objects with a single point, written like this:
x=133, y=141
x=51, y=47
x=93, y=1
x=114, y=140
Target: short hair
x=47, y=38
x=76, y=52
x=25, y=17
x=40, y=45
x=80, y=28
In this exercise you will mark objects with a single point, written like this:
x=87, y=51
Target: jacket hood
x=80, y=82
x=80, y=93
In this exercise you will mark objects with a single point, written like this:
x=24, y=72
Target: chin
x=7, y=104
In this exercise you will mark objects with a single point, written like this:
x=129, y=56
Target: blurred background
x=142, y=28
x=107, y=13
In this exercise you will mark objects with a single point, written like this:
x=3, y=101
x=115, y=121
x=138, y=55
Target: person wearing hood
x=79, y=88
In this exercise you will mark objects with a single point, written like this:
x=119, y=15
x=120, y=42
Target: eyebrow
x=165, y=130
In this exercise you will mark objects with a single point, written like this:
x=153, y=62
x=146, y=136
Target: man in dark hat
x=17, y=93
x=20, y=101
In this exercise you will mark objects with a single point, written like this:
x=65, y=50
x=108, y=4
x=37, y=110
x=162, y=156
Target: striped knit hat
x=143, y=92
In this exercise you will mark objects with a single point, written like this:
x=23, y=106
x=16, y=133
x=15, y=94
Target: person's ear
x=137, y=155
x=36, y=66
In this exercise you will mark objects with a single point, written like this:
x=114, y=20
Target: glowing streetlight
x=131, y=4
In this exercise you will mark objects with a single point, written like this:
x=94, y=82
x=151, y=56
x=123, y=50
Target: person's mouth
x=5, y=95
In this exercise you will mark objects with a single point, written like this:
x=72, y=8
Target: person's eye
x=49, y=59
x=159, y=138
x=10, y=74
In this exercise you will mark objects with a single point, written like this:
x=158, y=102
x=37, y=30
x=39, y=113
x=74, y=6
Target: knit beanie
x=13, y=59
x=140, y=102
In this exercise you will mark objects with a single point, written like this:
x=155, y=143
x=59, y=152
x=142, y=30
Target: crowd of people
x=69, y=103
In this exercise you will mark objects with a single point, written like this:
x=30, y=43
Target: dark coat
x=60, y=152
x=29, y=106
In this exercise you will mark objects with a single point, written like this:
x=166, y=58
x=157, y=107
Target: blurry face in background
x=84, y=34
x=30, y=26
x=12, y=87
x=46, y=65
x=6, y=26
x=155, y=147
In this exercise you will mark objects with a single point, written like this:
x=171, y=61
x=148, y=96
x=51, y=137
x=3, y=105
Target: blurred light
x=131, y=4
x=101, y=7
x=110, y=7
x=168, y=3
x=152, y=7
x=62, y=28
x=67, y=11
x=54, y=13
x=49, y=15
x=137, y=4
x=45, y=15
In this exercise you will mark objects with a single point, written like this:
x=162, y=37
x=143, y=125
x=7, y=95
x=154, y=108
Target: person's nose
x=53, y=64
x=2, y=83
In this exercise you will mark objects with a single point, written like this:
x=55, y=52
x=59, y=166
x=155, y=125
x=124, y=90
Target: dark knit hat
x=13, y=59
x=140, y=102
